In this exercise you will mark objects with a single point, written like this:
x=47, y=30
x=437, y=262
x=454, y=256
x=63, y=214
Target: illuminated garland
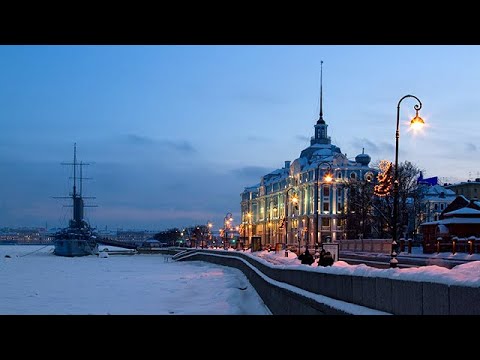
x=385, y=179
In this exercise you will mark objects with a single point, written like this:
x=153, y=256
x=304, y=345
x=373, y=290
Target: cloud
x=470, y=147
x=139, y=139
x=371, y=147
x=302, y=138
x=251, y=172
x=181, y=146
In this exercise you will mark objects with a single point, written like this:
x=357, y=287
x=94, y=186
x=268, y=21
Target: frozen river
x=34, y=281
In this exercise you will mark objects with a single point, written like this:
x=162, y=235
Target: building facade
x=305, y=201
x=436, y=199
x=459, y=222
x=469, y=189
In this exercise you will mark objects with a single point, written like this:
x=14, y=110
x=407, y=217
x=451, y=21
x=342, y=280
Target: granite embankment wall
x=301, y=292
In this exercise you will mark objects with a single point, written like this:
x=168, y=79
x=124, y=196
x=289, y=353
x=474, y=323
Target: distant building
x=25, y=236
x=435, y=201
x=469, y=189
x=460, y=220
x=138, y=236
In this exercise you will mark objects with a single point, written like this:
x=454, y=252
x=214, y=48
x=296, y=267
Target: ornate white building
x=299, y=204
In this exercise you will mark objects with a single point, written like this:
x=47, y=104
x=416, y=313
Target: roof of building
x=454, y=220
x=463, y=211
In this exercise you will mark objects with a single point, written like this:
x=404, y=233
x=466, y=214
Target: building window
x=435, y=207
x=339, y=207
x=325, y=221
x=339, y=175
x=442, y=206
x=353, y=176
x=326, y=207
x=326, y=191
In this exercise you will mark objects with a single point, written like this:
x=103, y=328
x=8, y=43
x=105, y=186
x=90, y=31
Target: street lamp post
x=209, y=233
x=416, y=122
x=269, y=228
x=228, y=218
x=286, y=219
x=327, y=178
x=275, y=216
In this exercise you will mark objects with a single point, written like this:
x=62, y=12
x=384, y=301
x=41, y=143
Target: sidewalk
x=417, y=252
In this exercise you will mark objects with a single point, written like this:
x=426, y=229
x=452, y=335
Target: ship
x=79, y=238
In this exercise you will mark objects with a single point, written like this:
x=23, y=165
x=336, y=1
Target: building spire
x=320, y=118
x=321, y=90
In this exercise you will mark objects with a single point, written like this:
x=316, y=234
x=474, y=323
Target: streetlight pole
x=227, y=219
x=328, y=178
x=209, y=233
x=286, y=219
x=269, y=226
x=275, y=217
x=417, y=121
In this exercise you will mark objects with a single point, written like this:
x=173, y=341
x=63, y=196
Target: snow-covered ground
x=34, y=281
x=467, y=274
x=418, y=252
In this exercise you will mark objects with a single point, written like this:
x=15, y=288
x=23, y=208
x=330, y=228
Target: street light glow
x=417, y=123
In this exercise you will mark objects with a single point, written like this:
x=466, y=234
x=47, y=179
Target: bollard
x=454, y=245
x=410, y=243
x=438, y=244
x=402, y=244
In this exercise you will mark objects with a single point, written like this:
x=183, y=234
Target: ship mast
x=77, y=198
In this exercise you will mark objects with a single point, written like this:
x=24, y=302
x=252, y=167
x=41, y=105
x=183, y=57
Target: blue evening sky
x=175, y=133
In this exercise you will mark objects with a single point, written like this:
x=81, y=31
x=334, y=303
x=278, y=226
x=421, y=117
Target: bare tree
x=371, y=215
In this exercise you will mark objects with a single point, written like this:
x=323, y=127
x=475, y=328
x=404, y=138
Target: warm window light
x=328, y=177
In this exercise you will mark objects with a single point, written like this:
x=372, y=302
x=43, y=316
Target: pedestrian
x=306, y=258
x=321, y=261
x=328, y=259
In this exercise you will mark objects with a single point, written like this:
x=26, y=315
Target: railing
x=372, y=245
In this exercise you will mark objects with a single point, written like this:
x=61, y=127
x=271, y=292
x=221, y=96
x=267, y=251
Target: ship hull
x=77, y=247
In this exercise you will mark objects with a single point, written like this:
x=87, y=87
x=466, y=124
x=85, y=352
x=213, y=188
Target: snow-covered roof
x=436, y=190
x=453, y=220
x=463, y=211
x=442, y=229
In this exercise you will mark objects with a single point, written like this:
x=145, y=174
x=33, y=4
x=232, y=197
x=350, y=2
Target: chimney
x=287, y=164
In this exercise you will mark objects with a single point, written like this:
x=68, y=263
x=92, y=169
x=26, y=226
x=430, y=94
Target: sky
x=36, y=282
x=173, y=134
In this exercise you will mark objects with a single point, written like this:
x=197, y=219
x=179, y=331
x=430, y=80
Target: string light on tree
x=385, y=179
